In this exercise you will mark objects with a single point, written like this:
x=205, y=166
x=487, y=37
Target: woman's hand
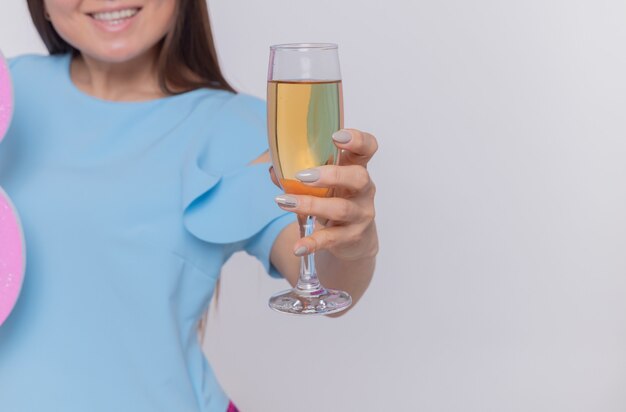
x=349, y=232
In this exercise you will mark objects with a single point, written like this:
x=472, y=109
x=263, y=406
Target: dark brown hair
x=187, y=58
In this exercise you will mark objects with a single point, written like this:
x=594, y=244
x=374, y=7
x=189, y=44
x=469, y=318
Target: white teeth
x=115, y=17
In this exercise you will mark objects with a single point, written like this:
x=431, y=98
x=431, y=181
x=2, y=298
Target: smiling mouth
x=115, y=17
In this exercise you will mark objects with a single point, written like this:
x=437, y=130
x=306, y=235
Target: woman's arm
x=346, y=246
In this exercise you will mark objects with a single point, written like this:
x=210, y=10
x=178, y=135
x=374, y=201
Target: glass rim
x=304, y=46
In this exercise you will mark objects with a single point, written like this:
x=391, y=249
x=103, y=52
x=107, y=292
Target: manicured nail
x=286, y=201
x=308, y=175
x=342, y=136
x=301, y=251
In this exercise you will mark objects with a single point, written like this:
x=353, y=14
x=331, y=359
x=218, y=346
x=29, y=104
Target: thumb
x=273, y=176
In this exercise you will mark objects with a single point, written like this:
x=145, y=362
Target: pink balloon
x=12, y=250
x=6, y=97
x=12, y=256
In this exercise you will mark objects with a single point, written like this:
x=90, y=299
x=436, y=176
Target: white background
x=501, y=283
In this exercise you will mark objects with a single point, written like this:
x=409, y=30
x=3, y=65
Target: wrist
x=363, y=249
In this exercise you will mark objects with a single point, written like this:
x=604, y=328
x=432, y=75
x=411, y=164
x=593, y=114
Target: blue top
x=129, y=209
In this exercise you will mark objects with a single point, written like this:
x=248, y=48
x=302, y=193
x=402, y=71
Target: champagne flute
x=304, y=109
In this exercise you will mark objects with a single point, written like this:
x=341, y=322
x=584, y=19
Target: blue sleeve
x=260, y=245
x=227, y=200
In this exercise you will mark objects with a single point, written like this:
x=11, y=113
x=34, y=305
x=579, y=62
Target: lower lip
x=115, y=28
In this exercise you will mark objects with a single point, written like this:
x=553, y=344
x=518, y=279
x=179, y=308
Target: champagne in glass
x=305, y=107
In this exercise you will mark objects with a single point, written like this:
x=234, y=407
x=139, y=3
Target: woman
x=138, y=172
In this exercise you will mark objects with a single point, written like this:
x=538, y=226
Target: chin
x=116, y=53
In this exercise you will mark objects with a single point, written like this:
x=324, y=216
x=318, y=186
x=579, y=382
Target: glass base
x=320, y=302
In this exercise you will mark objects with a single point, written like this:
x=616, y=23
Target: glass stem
x=308, y=281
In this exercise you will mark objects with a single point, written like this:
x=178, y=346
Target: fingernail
x=286, y=201
x=342, y=136
x=308, y=175
x=301, y=251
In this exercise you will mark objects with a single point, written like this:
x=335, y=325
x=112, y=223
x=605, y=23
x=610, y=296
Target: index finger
x=358, y=147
